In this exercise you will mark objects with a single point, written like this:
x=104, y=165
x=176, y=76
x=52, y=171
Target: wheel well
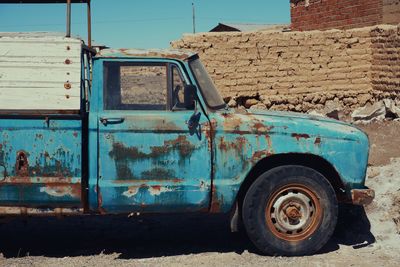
x=308, y=160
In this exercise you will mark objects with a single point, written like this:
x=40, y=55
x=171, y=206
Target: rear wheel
x=290, y=210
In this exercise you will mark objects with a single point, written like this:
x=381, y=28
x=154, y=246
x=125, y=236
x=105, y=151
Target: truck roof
x=146, y=53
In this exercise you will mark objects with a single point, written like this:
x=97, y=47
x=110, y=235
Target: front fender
x=241, y=141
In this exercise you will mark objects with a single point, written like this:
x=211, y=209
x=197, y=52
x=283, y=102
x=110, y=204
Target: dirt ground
x=363, y=237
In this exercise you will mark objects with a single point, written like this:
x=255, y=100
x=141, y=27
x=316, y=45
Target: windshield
x=210, y=93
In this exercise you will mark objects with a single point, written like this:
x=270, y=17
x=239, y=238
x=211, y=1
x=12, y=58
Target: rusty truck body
x=125, y=131
x=146, y=131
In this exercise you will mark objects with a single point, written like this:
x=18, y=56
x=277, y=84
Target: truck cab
x=152, y=133
x=125, y=131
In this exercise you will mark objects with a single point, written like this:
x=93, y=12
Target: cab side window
x=135, y=87
x=143, y=86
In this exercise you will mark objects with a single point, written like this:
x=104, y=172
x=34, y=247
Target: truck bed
x=42, y=78
x=40, y=71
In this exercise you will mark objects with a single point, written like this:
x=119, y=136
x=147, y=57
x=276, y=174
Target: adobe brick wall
x=385, y=70
x=300, y=71
x=343, y=14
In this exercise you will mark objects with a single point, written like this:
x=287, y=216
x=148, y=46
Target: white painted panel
x=34, y=69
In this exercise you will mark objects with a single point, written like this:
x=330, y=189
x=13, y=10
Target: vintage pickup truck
x=146, y=131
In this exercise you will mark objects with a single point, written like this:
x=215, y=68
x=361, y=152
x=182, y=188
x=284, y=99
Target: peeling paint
x=158, y=190
x=132, y=191
x=34, y=171
x=73, y=190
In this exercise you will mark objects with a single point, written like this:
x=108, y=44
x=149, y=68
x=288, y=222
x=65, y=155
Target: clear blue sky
x=144, y=23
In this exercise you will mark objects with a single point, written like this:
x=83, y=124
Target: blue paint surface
x=50, y=173
x=242, y=140
x=151, y=161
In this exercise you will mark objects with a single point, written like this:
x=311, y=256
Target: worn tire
x=290, y=211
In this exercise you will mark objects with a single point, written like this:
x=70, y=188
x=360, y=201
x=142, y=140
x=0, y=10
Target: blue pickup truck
x=146, y=131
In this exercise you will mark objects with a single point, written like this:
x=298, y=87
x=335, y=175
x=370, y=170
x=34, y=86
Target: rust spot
x=67, y=61
x=260, y=154
x=362, y=196
x=238, y=145
x=210, y=132
x=269, y=142
x=317, y=141
x=299, y=136
x=123, y=170
x=215, y=206
x=58, y=169
x=120, y=152
x=100, y=201
x=156, y=187
x=213, y=127
x=260, y=127
x=75, y=134
x=180, y=144
x=68, y=47
x=22, y=165
x=67, y=86
x=123, y=155
x=232, y=123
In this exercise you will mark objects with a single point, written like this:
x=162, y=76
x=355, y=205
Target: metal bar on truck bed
x=68, y=34
x=40, y=1
x=89, y=22
x=69, y=2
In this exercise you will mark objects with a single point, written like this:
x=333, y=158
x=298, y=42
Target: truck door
x=149, y=159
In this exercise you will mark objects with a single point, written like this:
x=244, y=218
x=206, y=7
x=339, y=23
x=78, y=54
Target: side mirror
x=189, y=96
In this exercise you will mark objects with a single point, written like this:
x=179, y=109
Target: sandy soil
x=363, y=237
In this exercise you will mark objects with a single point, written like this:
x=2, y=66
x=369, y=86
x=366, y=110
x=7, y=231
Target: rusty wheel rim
x=293, y=212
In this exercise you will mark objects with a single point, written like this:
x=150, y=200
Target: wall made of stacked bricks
x=338, y=14
x=385, y=71
x=301, y=71
x=391, y=11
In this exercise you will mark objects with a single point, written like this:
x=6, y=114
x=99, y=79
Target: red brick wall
x=391, y=11
x=339, y=14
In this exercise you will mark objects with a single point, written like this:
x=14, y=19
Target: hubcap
x=293, y=213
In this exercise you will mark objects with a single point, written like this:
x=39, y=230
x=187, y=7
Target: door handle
x=106, y=121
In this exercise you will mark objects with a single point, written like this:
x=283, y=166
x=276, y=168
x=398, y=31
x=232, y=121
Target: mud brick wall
x=301, y=71
x=385, y=70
